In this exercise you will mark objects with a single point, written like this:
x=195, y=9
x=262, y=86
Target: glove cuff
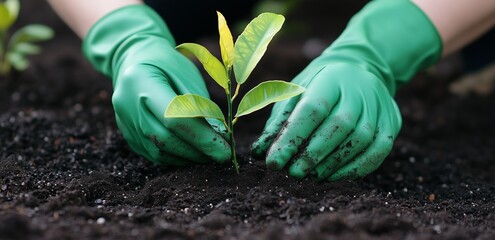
x=393, y=39
x=105, y=43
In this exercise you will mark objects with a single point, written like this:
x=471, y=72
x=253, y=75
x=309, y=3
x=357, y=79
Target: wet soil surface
x=67, y=173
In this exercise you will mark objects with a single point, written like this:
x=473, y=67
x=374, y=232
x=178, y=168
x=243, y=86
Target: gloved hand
x=345, y=124
x=134, y=47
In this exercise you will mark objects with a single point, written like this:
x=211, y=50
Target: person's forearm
x=81, y=15
x=459, y=22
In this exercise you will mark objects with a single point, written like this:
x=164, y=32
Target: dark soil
x=67, y=173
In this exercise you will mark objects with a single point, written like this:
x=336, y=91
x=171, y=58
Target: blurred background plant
x=276, y=6
x=282, y=7
x=17, y=45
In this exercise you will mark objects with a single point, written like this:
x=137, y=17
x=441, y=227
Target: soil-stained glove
x=345, y=124
x=134, y=47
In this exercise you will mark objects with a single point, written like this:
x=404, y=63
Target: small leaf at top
x=226, y=41
x=32, y=33
x=192, y=105
x=252, y=43
x=266, y=93
x=211, y=64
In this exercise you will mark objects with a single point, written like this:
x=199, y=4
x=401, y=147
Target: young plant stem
x=230, y=123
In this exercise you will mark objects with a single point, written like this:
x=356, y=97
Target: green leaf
x=18, y=61
x=192, y=105
x=211, y=64
x=252, y=43
x=32, y=33
x=6, y=20
x=9, y=10
x=266, y=93
x=26, y=48
x=226, y=41
x=14, y=7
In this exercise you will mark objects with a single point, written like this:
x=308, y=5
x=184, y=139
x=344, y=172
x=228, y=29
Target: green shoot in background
x=13, y=50
x=238, y=59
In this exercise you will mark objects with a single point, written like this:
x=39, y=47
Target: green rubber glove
x=134, y=47
x=345, y=124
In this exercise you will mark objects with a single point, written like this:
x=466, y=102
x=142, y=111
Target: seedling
x=240, y=59
x=13, y=50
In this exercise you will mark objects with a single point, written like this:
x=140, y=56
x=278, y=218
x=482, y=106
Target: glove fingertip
x=260, y=146
x=344, y=175
x=273, y=165
x=222, y=159
x=314, y=174
x=274, y=161
x=222, y=154
x=297, y=172
x=258, y=150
